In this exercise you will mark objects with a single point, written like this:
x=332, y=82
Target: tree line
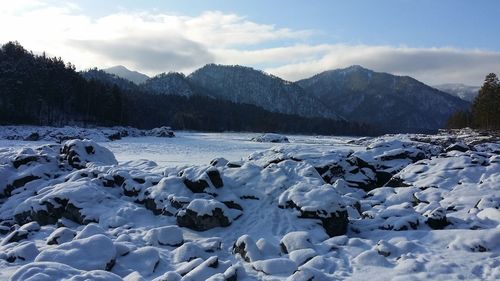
x=42, y=90
x=485, y=111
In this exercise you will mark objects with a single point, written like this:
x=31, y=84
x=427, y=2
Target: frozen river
x=200, y=148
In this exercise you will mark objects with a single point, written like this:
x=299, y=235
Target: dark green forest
x=41, y=90
x=485, y=111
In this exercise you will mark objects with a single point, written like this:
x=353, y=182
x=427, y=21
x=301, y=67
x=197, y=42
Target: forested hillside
x=40, y=90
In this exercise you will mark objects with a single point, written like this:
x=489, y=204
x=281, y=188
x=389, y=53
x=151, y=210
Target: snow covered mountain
x=123, y=72
x=462, y=91
x=394, y=103
x=246, y=85
x=172, y=83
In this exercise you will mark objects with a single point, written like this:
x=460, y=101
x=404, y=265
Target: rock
x=276, y=266
x=31, y=227
x=187, y=252
x=53, y=214
x=462, y=147
x=323, y=203
x=295, y=240
x=197, y=186
x=245, y=246
x=24, y=159
x=206, y=269
x=15, y=236
x=165, y=236
x=90, y=230
x=19, y=182
x=219, y=162
x=95, y=252
x=48, y=271
x=214, y=176
x=23, y=252
x=32, y=137
x=162, y=132
x=203, y=214
x=143, y=260
x=78, y=153
x=61, y=235
x=270, y=137
x=436, y=219
x=396, y=181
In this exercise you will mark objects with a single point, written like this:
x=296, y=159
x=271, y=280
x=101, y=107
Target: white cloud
x=430, y=65
x=154, y=42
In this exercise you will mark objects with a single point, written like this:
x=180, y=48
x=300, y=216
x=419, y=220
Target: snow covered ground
x=192, y=148
x=221, y=207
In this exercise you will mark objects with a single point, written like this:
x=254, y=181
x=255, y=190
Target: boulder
x=95, y=252
x=270, y=137
x=436, y=219
x=162, y=132
x=318, y=202
x=165, y=236
x=61, y=235
x=78, y=153
x=204, y=214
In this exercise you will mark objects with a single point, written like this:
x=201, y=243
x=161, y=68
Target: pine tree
x=486, y=106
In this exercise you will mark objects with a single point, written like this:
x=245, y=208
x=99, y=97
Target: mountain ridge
x=395, y=103
x=125, y=73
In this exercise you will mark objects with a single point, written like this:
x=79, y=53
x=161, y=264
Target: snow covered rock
x=199, y=179
x=270, y=137
x=165, y=236
x=436, y=218
x=143, y=261
x=162, y=132
x=462, y=147
x=187, y=252
x=19, y=252
x=245, y=246
x=61, y=235
x=277, y=266
x=50, y=271
x=296, y=240
x=92, y=253
x=318, y=202
x=79, y=153
x=72, y=200
x=203, y=214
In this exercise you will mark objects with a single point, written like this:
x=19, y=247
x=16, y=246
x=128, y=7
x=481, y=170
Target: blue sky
x=416, y=23
x=436, y=41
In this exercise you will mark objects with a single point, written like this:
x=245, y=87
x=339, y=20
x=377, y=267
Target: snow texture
x=395, y=207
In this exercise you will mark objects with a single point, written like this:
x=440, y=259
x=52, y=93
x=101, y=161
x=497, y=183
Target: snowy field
x=207, y=206
x=189, y=148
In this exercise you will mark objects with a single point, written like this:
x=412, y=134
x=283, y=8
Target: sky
x=435, y=41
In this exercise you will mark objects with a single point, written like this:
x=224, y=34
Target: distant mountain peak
x=465, y=92
x=396, y=103
x=242, y=84
x=125, y=73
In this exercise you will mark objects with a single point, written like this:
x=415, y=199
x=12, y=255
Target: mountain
x=125, y=73
x=393, y=103
x=462, y=91
x=245, y=85
x=172, y=83
x=109, y=79
x=38, y=90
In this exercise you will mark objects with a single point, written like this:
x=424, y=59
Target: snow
x=111, y=220
x=206, y=207
x=270, y=137
x=92, y=253
x=166, y=235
